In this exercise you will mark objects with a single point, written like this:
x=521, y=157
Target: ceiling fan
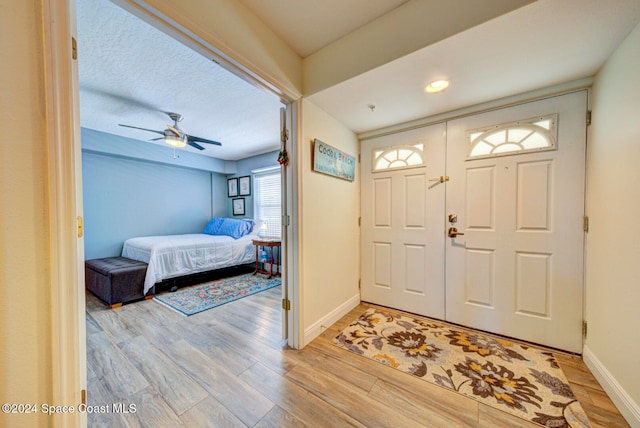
x=176, y=137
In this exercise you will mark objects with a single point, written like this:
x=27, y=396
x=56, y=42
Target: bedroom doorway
x=289, y=114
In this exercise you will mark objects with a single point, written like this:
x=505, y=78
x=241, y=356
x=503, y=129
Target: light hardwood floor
x=228, y=367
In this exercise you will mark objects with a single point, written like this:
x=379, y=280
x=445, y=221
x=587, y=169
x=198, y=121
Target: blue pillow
x=229, y=226
x=213, y=226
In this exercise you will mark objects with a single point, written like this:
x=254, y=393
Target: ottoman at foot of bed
x=116, y=280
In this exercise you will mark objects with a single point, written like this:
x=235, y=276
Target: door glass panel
x=507, y=147
x=481, y=148
x=398, y=157
x=516, y=135
x=496, y=138
x=535, y=134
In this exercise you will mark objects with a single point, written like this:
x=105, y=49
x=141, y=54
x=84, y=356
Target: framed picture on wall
x=238, y=206
x=232, y=187
x=245, y=186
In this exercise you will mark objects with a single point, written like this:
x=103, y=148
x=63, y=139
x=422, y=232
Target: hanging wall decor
x=238, y=206
x=232, y=187
x=245, y=185
x=331, y=161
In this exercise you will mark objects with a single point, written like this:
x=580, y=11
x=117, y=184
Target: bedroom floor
x=229, y=367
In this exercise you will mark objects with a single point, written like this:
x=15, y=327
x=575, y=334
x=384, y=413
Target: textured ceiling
x=131, y=73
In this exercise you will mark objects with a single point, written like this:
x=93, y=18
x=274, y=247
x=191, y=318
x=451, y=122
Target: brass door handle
x=440, y=179
x=453, y=232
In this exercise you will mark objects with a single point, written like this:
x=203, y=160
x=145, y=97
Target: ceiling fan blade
x=144, y=129
x=156, y=139
x=203, y=140
x=196, y=145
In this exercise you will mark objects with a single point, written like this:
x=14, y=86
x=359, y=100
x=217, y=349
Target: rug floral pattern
x=519, y=379
x=198, y=298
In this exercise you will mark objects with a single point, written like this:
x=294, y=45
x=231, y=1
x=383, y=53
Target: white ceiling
x=131, y=73
x=542, y=44
x=308, y=25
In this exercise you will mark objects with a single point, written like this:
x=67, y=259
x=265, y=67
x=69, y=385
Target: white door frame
x=65, y=189
x=540, y=94
x=69, y=371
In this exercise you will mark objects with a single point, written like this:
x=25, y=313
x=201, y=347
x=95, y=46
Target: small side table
x=260, y=265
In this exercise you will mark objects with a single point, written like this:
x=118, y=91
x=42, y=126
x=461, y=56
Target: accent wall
x=125, y=198
x=135, y=188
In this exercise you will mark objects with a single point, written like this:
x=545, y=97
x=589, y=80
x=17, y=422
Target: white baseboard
x=319, y=326
x=629, y=409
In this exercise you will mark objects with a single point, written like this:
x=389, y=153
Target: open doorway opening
x=130, y=73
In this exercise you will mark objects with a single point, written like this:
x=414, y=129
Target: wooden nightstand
x=260, y=265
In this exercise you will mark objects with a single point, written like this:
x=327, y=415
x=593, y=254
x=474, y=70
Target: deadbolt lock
x=453, y=218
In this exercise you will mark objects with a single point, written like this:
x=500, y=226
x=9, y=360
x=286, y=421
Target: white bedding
x=176, y=255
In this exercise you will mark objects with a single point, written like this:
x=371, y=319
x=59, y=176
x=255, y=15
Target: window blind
x=267, y=202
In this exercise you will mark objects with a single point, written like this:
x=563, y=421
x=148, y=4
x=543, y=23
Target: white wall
x=613, y=246
x=328, y=221
x=25, y=276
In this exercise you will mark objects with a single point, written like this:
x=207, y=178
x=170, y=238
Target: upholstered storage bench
x=116, y=280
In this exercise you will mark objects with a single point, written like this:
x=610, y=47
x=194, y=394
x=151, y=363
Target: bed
x=223, y=243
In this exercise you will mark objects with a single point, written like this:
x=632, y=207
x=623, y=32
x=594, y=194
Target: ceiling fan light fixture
x=437, y=86
x=176, y=141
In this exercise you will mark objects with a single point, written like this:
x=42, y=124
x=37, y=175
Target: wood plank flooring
x=228, y=367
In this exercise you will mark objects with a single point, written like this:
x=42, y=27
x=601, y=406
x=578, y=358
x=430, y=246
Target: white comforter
x=176, y=255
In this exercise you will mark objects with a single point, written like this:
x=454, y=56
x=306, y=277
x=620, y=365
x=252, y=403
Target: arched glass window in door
x=523, y=136
x=397, y=157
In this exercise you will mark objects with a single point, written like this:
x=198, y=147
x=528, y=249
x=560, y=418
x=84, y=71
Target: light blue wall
x=133, y=188
x=124, y=198
x=243, y=168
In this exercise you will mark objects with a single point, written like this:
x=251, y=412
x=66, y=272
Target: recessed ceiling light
x=437, y=86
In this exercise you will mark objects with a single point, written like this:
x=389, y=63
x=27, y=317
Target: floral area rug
x=519, y=379
x=198, y=298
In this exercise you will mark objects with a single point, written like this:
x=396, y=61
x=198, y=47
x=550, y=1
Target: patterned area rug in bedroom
x=199, y=298
x=519, y=379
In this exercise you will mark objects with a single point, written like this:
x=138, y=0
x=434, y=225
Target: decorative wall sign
x=331, y=161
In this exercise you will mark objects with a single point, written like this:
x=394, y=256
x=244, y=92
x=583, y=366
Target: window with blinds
x=266, y=202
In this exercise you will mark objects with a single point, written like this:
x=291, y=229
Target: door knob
x=453, y=232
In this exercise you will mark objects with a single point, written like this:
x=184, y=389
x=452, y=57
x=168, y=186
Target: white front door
x=403, y=219
x=518, y=268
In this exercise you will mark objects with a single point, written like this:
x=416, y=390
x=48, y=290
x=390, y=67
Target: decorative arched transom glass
x=397, y=157
x=523, y=136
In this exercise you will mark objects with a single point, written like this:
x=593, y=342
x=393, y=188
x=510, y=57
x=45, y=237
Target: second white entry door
x=402, y=207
